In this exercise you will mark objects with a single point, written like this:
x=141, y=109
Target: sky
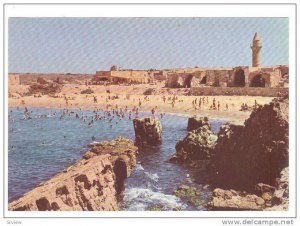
x=85, y=45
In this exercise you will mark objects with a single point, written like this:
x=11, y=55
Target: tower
x=256, y=46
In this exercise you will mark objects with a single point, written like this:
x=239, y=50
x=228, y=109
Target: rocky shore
x=94, y=183
x=248, y=164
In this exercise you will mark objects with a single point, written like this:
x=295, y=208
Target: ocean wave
x=139, y=199
x=152, y=176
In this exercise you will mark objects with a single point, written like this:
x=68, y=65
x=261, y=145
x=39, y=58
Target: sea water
x=45, y=144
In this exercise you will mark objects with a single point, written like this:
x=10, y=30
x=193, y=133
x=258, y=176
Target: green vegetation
x=190, y=194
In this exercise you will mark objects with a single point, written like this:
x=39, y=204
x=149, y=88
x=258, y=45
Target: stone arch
x=239, y=78
x=188, y=81
x=180, y=82
x=258, y=81
x=203, y=80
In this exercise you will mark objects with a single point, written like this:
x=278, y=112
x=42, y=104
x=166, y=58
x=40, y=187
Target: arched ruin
x=203, y=80
x=188, y=81
x=239, y=78
x=258, y=81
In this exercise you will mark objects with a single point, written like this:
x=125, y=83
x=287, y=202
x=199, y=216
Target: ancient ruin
x=240, y=76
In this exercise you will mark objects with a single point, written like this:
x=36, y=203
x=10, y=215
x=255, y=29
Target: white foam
x=141, y=198
x=139, y=167
x=152, y=176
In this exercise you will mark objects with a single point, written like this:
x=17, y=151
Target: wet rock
x=235, y=200
x=196, y=122
x=91, y=184
x=190, y=194
x=253, y=153
x=197, y=145
x=147, y=131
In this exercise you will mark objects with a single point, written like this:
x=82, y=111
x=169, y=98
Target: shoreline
x=237, y=117
x=224, y=117
x=164, y=101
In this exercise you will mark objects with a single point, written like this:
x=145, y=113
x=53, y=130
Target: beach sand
x=130, y=96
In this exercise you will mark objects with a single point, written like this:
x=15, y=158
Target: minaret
x=256, y=46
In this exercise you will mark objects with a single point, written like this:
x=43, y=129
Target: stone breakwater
x=92, y=184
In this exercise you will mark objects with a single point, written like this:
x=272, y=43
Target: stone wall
x=26, y=79
x=13, y=79
x=241, y=76
x=238, y=91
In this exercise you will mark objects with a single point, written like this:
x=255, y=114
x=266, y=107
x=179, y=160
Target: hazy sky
x=84, y=45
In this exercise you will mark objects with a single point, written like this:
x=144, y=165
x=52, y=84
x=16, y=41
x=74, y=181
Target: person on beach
x=153, y=112
x=214, y=103
x=95, y=99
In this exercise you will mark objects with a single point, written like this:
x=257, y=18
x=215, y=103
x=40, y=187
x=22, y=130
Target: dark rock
x=196, y=122
x=197, y=145
x=253, y=153
x=147, y=131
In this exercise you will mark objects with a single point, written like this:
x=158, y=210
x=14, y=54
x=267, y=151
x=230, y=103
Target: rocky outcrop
x=44, y=88
x=147, y=131
x=255, y=152
x=196, y=122
x=197, y=145
x=93, y=183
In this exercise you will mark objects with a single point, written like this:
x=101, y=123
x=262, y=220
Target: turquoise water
x=48, y=142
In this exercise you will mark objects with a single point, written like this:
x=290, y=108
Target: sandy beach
x=115, y=96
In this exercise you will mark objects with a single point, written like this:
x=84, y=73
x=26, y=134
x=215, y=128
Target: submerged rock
x=197, y=122
x=147, y=131
x=254, y=153
x=197, y=145
x=93, y=183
